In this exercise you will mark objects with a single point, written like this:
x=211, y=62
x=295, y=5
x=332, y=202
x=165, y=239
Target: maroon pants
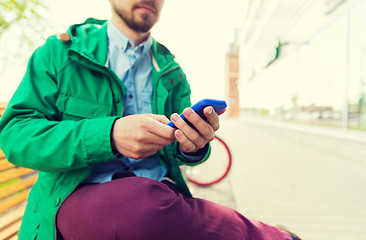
x=137, y=208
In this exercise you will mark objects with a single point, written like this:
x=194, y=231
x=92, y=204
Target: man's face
x=139, y=15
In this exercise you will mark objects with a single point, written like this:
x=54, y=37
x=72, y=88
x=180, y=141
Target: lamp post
x=346, y=83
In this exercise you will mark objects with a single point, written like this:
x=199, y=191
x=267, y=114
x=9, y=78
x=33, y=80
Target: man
x=90, y=115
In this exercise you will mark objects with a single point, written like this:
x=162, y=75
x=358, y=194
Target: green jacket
x=60, y=118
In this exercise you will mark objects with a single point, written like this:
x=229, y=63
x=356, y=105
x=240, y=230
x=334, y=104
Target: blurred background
x=300, y=61
x=294, y=76
x=305, y=61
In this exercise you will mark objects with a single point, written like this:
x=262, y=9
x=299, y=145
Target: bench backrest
x=2, y=108
x=15, y=183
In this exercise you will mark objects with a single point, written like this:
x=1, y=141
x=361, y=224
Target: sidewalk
x=310, y=180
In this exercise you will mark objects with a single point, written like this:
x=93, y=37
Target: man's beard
x=144, y=24
x=138, y=26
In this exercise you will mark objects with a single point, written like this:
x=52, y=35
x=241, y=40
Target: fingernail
x=175, y=117
x=188, y=112
x=210, y=111
x=178, y=134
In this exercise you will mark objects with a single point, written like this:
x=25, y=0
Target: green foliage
x=22, y=29
x=22, y=14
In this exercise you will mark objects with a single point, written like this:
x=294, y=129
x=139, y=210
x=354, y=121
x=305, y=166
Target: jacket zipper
x=155, y=94
x=156, y=84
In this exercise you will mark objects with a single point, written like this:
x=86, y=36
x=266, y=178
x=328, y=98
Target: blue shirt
x=132, y=64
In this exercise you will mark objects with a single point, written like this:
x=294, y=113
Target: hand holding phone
x=218, y=105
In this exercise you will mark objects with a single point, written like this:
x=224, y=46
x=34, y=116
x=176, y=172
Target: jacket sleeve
x=31, y=134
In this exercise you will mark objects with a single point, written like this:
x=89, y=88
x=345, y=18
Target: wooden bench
x=15, y=184
x=2, y=108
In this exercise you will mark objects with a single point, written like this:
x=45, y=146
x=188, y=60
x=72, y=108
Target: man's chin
x=143, y=24
x=143, y=28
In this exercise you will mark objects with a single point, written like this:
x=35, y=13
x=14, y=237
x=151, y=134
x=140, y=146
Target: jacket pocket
x=72, y=108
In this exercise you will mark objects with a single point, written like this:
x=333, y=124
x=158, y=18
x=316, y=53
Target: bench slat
x=12, y=216
x=5, y=165
x=2, y=155
x=14, y=238
x=13, y=201
x=10, y=231
x=14, y=173
x=17, y=186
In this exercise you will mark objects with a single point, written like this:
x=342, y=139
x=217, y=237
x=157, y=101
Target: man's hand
x=142, y=135
x=190, y=139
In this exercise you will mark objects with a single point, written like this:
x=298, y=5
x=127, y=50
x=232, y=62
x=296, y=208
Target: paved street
x=313, y=184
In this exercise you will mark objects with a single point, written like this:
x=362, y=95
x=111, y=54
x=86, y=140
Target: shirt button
x=130, y=96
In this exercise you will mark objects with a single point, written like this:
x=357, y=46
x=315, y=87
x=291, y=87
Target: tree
x=21, y=21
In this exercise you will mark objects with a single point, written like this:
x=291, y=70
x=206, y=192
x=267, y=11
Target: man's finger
x=158, y=126
x=185, y=144
x=212, y=117
x=160, y=118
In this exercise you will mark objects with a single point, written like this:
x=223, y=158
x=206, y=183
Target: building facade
x=232, y=81
x=305, y=61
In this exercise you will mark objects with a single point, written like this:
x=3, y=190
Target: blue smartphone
x=218, y=106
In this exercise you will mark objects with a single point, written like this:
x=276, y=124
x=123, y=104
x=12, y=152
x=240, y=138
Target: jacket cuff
x=194, y=157
x=177, y=153
x=97, y=140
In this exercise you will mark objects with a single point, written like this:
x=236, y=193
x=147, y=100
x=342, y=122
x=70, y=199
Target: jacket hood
x=90, y=40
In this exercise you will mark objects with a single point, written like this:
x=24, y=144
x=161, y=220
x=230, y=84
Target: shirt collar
x=118, y=39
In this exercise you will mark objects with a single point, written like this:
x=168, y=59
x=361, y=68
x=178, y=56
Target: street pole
x=346, y=84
